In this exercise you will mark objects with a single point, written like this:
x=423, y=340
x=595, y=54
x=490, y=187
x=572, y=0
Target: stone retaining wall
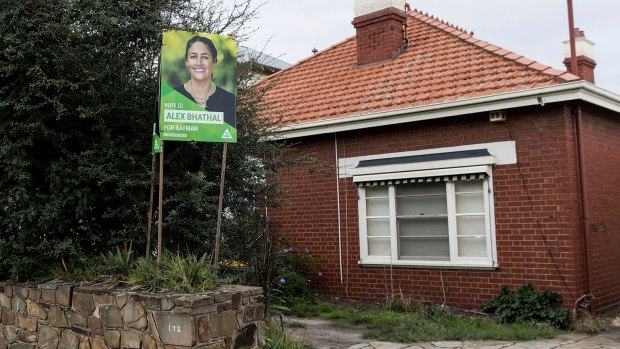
x=78, y=316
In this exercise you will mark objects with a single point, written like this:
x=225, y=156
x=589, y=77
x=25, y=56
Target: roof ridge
x=506, y=54
x=442, y=21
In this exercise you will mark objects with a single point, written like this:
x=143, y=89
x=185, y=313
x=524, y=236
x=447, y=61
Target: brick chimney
x=379, y=26
x=585, y=56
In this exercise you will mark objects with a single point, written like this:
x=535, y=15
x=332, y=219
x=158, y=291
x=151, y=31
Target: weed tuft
x=589, y=324
x=275, y=338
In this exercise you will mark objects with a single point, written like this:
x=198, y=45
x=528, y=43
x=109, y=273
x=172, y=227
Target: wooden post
x=150, y=214
x=161, y=204
x=216, y=253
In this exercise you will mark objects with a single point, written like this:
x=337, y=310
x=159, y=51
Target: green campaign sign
x=198, y=88
x=156, y=141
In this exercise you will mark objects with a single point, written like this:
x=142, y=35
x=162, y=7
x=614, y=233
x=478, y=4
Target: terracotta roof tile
x=492, y=48
x=538, y=66
x=552, y=71
x=569, y=77
x=472, y=40
x=512, y=56
x=525, y=61
x=464, y=36
x=502, y=52
x=441, y=64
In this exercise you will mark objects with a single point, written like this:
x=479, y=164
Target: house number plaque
x=175, y=329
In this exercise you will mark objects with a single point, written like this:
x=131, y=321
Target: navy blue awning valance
x=443, y=178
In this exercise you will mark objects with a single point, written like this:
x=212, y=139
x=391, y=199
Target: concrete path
x=606, y=340
x=325, y=334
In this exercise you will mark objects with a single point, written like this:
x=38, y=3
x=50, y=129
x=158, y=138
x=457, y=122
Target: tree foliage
x=78, y=85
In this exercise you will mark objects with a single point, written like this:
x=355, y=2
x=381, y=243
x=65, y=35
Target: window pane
x=377, y=207
x=470, y=225
x=421, y=205
x=421, y=189
x=468, y=186
x=378, y=246
x=378, y=227
x=427, y=226
x=435, y=249
x=379, y=191
x=472, y=247
x=470, y=203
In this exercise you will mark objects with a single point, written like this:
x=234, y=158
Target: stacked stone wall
x=78, y=316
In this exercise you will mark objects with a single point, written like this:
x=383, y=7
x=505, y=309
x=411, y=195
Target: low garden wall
x=79, y=316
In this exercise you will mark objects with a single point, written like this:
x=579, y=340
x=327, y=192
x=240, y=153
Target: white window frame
x=490, y=261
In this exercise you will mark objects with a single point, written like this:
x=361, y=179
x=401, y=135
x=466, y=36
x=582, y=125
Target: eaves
x=572, y=91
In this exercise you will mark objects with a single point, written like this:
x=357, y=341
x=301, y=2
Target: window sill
x=401, y=264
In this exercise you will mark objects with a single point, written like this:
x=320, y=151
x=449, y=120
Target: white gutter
x=579, y=90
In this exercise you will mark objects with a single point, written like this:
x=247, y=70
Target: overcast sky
x=290, y=29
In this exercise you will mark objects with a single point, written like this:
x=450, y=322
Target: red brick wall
x=601, y=146
x=536, y=209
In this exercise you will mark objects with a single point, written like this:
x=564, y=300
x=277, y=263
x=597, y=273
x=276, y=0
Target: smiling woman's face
x=199, y=61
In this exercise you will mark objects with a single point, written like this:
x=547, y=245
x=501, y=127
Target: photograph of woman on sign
x=200, y=60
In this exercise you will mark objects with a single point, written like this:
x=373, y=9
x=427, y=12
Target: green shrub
x=293, y=283
x=294, y=290
x=176, y=273
x=234, y=272
x=117, y=265
x=187, y=273
x=526, y=306
x=111, y=268
x=75, y=167
x=146, y=275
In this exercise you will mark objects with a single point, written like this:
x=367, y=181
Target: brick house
x=457, y=167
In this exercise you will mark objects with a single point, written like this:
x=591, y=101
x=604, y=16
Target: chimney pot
x=364, y=7
x=584, y=49
x=583, y=46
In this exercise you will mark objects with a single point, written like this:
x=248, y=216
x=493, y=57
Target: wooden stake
x=161, y=204
x=216, y=254
x=150, y=214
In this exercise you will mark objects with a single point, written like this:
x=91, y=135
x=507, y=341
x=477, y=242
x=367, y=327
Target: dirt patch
x=322, y=334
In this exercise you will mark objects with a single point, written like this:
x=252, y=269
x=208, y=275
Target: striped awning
x=429, y=179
